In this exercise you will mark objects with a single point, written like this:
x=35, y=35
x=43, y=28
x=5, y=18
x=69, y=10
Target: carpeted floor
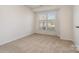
x=38, y=43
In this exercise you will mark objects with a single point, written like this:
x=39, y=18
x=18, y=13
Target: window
x=51, y=15
x=47, y=21
x=51, y=21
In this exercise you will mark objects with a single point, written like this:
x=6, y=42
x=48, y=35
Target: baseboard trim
x=77, y=49
x=15, y=39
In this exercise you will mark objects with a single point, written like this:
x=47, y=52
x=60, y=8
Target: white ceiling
x=38, y=8
x=34, y=6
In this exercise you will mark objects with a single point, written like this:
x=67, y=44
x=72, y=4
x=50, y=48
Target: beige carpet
x=38, y=43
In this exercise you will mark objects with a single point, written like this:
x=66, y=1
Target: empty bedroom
x=39, y=29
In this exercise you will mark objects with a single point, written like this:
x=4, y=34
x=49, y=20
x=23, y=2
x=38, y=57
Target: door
x=47, y=22
x=76, y=25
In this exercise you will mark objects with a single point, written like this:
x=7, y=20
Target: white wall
x=15, y=22
x=65, y=16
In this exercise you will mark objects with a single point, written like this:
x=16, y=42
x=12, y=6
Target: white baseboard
x=14, y=39
x=77, y=49
x=66, y=39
